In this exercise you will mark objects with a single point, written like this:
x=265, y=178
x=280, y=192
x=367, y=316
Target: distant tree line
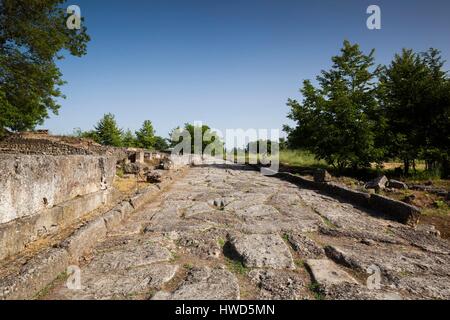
x=108, y=133
x=208, y=138
x=361, y=113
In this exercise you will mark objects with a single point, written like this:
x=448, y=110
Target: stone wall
x=30, y=184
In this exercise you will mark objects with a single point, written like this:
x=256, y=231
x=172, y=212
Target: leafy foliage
x=161, y=144
x=108, y=132
x=129, y=140
x=415, y=99
x=361, y=113
x=339, y=120
x=32, y=36
x=207, y=138
x=146, y=136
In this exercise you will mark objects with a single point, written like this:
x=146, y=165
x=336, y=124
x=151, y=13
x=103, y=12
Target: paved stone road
x=225, y=232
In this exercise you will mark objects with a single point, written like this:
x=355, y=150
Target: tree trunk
x=406, y=164
x=445, y=169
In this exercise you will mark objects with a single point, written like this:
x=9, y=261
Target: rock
x=166, y=164
x=154, y=177
x=204, y=284
x=429, y=229
x=257, y=211
x=326, y=273
x=377, y=184
x=322, y=175
x=278, y=285
x=196, y=209
x=305, y=246
x=84, y=239
x=409, y=199
x=397, y=184
x=35, y=275
x=132, y=168
x=121, y=284
x=262, y=251
x=113, y=219
x=132, y=254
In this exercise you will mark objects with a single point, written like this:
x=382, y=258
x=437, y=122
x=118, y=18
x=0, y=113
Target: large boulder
x=154, y=177
x=377, y=184
x=322, y=175
x=395, y=184
x=132, y=168
x=166, y=164
x=262, y=251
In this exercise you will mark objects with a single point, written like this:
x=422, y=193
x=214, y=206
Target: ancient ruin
x=192, y=229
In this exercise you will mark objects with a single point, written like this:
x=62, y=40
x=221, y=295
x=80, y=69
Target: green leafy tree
x=129, y=140
x=340, y=121
x=161, y=144
x=206, y=136
x=92, y=135
x=262, y=145
x=414, y=92
x=33, y=35
x=108, y=132
x=146, y=135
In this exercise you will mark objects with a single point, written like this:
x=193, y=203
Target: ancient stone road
x=226, y=232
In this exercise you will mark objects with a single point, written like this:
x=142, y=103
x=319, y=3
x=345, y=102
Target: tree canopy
x=146, y=135
x=108, y=132
x=33, y=36
x=338, y=120
x=361, y=113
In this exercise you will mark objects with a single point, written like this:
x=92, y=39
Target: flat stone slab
x=263, y=251
x=204, y=284
x=197, y=208
x=278, y=284
x=326, y=273
x=121, y=285
x=130, y=256
x=260, y=210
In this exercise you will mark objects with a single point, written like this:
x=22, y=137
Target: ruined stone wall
x=32, y=183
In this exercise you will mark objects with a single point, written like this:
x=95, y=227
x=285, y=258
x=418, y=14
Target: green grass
x=328, y=223
x=175, y=257
x=237, y=267
x=221, y=242
x=63, y=276
x=119, y=173
x=316, y=290
x=441, y=209
x=300, y=158
x=188, y=266
x=300, y=263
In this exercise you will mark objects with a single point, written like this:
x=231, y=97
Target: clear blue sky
x=230, y=64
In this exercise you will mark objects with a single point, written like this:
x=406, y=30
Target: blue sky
x=231, y=64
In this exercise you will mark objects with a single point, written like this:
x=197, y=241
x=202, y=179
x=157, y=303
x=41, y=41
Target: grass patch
x=63, y=276
x=316, y=290
x=300, y=263
x=237, y=267
x=443, y=210
x=188, y=266
x=221, y=242
x=175, y=257
x=300, y=158
x=120, y=173
x=329, y=223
